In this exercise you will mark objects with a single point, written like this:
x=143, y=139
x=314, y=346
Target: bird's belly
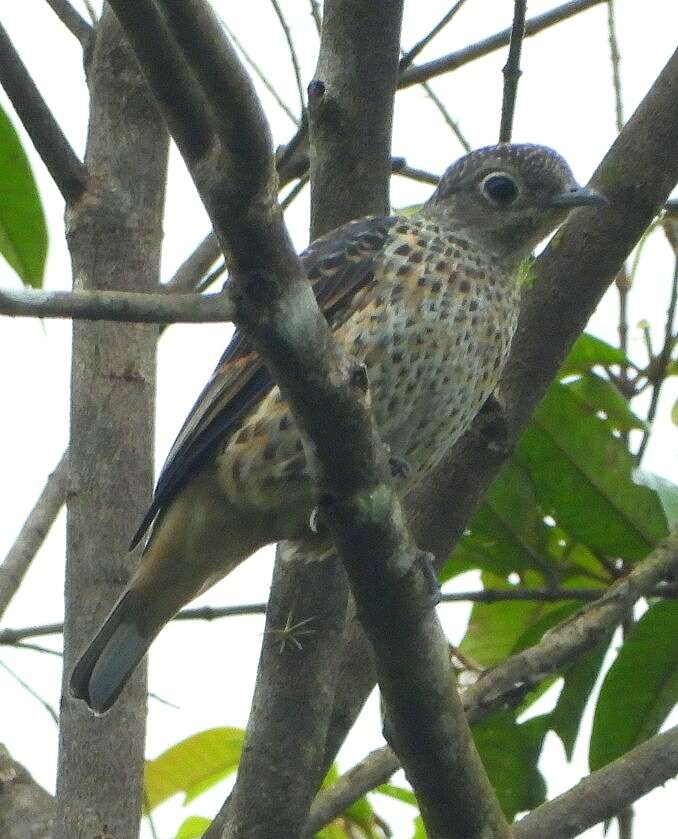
x=426, y=394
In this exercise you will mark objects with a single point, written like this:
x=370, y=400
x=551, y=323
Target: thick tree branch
x=33, y=533
x=69, y=174
x=26, y=809
x=605, y=793
x=455, y=60
x=507, y=683
x=114, y=240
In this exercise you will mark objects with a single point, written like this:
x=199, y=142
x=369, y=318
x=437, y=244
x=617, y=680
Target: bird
x=428, y=302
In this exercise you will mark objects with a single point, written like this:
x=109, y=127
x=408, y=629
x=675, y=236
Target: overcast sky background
x=565, y=100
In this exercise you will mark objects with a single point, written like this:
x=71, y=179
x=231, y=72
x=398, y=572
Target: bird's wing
x=338, y=265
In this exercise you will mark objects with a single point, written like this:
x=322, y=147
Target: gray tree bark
x=114, y=236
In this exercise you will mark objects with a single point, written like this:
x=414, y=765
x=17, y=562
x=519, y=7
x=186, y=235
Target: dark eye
x=500, y=188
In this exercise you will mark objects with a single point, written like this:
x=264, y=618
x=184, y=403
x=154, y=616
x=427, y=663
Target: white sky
x=565, y=100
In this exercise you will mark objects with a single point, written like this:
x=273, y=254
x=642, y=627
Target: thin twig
x=126, y=306
x=33, y=533
x=259, y=73
x=412, y=53
x=293, y=53
x=72, y=20
x=45, y=704
x=454, y=60
x=512, y=71
x=420, y=175
x=453, y=125
x=662, y=361
x=68, y=172
x=14, y=637
x=294, y=192
x=615, y=62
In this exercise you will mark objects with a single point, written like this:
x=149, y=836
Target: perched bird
x=428, y=303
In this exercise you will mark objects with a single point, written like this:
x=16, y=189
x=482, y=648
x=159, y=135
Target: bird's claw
x=400, y=468
x=424, y=560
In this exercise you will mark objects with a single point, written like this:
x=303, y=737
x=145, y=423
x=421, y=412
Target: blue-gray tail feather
x=108, y=662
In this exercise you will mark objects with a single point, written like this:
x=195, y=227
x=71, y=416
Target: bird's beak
x=578, y=196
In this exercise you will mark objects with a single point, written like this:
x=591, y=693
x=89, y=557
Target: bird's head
x=511, y=196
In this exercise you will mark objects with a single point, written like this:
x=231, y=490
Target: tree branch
x=604, y=793
x=63, y=164
x=115, y=241
x=33, y=532
x=73, y=21
x=126, y=306
x=512, y=71
x=455, y=60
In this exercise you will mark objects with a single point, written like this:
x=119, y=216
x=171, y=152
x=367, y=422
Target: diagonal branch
x=605, y=793
x=33, y=533
x=63, y=164
x=293, y=52
x=72, y=20
x=455, y=60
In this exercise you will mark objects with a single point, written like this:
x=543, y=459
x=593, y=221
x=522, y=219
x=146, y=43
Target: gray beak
x=578, y=196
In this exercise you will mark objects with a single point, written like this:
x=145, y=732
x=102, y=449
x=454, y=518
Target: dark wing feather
x=338, y=265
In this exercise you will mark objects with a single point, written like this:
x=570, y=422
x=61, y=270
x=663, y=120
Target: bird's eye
x=500, y=188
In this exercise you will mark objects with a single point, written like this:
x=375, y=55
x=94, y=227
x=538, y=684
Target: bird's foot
x=424, y=560
x=400, y=468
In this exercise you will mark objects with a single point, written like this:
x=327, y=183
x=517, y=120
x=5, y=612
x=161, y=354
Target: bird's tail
x=108, y=662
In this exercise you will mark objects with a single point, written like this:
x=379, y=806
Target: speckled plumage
x=429, y=303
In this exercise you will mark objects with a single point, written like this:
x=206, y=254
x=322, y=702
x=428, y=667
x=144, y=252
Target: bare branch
x=260, y=74
x=33, y=532
x=126, y=306
x=454, y=60
x=293, y=53
x=408, y=57
x=452, y=124
x=63, y=164
x=188, y=275
x=512, y=71
x=72, y=20
x=615, y=62
x=607, y=791
x=661, y=363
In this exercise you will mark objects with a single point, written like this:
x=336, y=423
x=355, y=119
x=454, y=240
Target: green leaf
x=399, y=793
x=666, y=490
x=589, y=351
x=506, y=531
x=23, y=232
x=640, y=689
x=510, y=753
x=193, y=765
x=579, y=680
x=495, y=630
x=193, y=828
x=602, y=395
x=581, y=470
